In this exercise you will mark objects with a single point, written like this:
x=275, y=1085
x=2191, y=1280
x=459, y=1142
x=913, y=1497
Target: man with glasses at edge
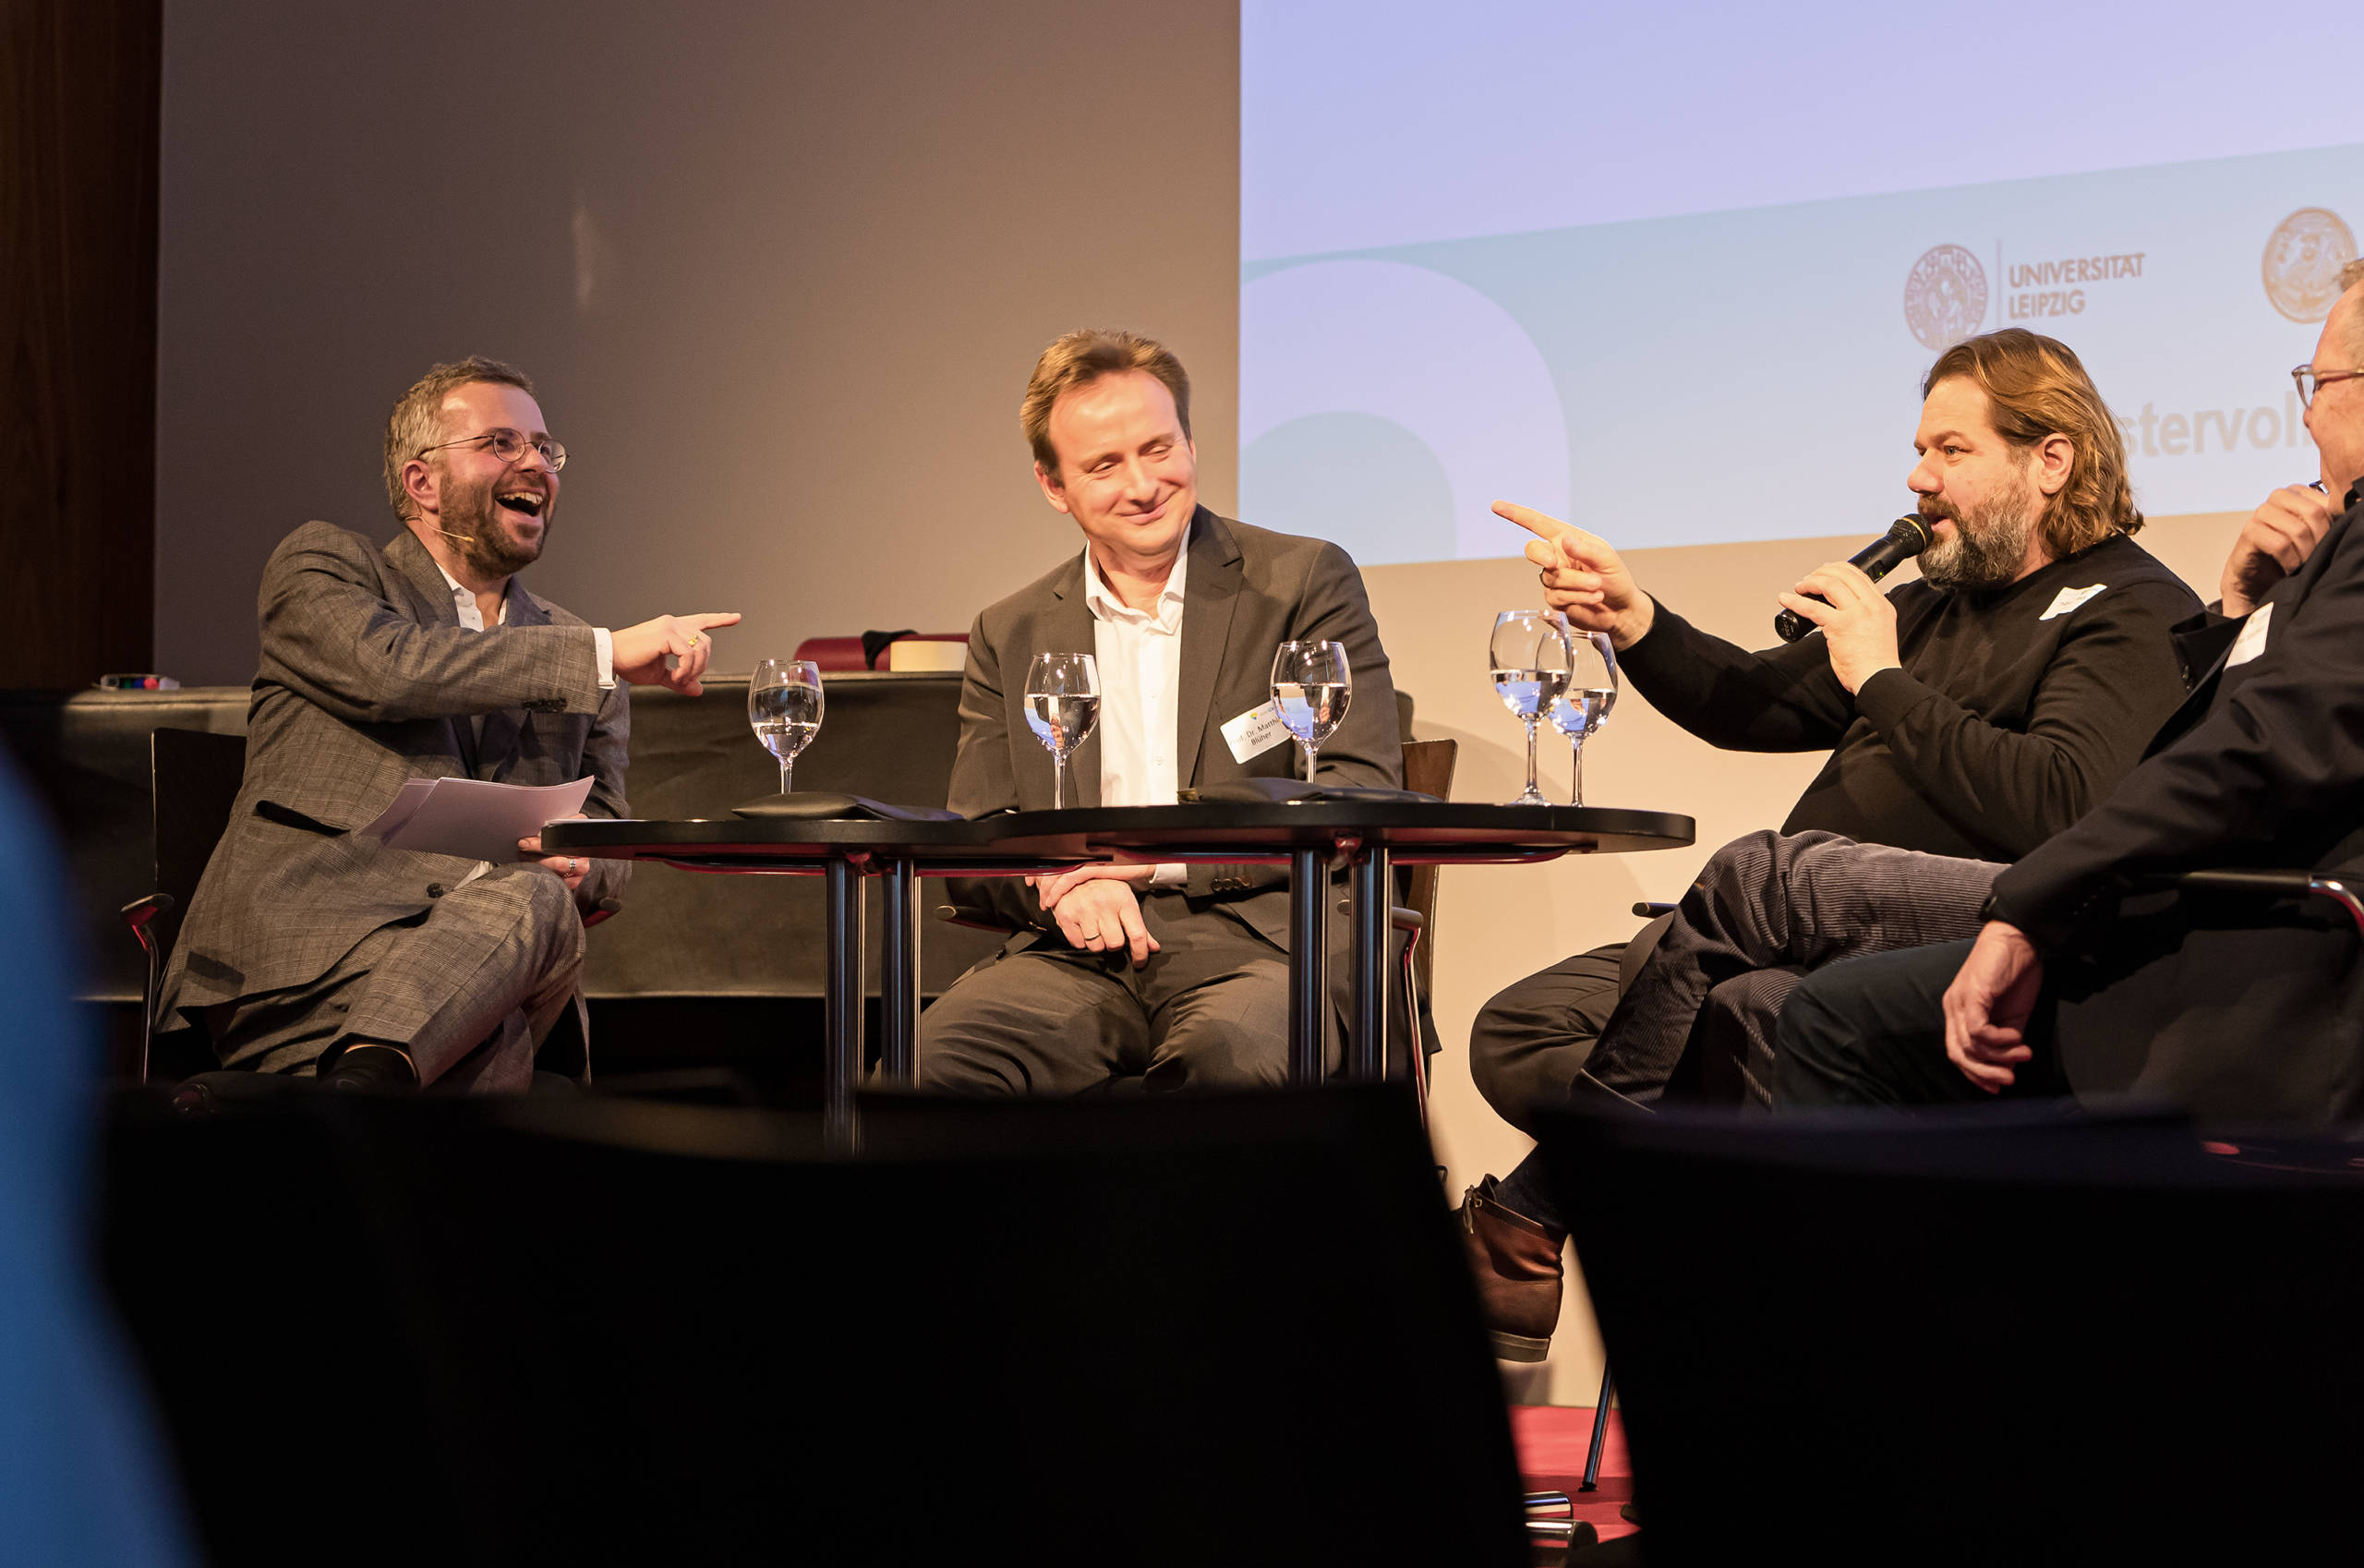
x=1971, y=714
x=312, y=949
x=2087, y=975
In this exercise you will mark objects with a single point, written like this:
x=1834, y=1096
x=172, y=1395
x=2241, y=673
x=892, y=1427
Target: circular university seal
x=2302, y=262
x=1944, y=296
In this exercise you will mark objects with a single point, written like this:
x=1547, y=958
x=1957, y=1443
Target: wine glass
x=1062, y=708
x=784, y=705
x=1584, y=707
x=1529, y=655
x=1311, y=686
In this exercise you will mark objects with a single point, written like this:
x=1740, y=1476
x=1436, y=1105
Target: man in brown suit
x=1179, y=974
x=311, y=947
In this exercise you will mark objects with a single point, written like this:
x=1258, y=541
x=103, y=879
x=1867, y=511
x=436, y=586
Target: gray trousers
x=470, y=990
x=1210, y=1010
x=1700, y=1013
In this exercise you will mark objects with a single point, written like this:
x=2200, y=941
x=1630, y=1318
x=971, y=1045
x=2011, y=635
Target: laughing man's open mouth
x=529, y=503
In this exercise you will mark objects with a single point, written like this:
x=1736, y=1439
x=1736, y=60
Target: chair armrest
x=2271, y=884
x=1402, y=918
x=139, y=911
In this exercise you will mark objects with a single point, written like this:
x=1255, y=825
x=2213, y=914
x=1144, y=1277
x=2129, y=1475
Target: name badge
x=2069, y=599
x=1255, y=732
x=2252, y=642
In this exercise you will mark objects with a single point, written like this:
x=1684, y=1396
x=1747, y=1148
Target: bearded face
x=1988, y=543
x=499, y=522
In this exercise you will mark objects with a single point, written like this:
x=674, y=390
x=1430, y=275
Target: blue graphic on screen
x=1675, y=271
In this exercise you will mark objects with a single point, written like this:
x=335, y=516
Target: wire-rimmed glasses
x=1528, y=655
x=784, y=706
x=2308, y=378
x=509, y=446
x=1312, y=685
x=1062, y=708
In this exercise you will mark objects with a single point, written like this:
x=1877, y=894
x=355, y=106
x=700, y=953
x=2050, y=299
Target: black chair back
x=1150, y=1332
x=2016, y=1337
x=196, y=777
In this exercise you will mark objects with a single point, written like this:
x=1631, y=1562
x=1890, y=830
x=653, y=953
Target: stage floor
x=1552, y=1441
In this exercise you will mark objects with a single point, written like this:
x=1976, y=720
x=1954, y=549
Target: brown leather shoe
x=1515, y=1261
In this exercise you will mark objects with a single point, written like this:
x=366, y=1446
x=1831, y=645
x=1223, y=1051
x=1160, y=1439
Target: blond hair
x=2036, y=387
x=416, y=422
x=1077, y=359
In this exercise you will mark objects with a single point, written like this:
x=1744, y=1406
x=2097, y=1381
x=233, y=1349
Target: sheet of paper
x=472, y=818
x=407, y=800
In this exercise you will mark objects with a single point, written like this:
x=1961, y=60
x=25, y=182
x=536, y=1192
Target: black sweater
x=2005, y=725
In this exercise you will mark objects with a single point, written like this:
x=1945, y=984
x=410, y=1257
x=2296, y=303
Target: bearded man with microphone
x=312, y=949
x=1971, y=714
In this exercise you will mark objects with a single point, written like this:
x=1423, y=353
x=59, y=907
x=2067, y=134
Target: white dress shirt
x=1139, y=654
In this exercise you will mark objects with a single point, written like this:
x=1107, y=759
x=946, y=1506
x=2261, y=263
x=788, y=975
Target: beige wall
x=1495, y=924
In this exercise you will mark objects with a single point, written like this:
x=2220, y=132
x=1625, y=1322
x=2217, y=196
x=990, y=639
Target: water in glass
x=784, y=705
x=1062, y=708
x=1584, y=707
x=1529, y=657
x=1312, y=686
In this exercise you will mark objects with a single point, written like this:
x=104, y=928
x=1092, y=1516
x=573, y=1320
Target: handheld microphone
x=1905, y=539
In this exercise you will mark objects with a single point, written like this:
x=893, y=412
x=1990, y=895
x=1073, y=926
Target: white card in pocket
x=2067, y=599
x=2252, y=642
x=1255, y=732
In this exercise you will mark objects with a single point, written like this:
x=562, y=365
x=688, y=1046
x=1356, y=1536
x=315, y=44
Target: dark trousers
x=1767, y=910
x=1208, y=1010
x=2240, y=1010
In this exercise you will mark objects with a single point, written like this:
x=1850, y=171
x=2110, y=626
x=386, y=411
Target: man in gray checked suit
x=311, y=947
x=1177, y=974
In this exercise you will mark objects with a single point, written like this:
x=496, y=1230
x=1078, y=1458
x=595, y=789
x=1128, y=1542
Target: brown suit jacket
x=367, y=679
x=1248, y=591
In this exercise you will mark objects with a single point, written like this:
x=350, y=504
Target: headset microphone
x=1905, y=539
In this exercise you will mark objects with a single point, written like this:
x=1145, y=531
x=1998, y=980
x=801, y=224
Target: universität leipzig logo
x=1945, y=297
x=2302, y=262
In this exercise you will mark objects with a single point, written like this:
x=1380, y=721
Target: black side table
x=1369, y=838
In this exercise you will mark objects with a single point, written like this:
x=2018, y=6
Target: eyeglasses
x=2308, y=378
x=509, y=446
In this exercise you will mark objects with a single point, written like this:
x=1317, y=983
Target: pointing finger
x=1534, y=522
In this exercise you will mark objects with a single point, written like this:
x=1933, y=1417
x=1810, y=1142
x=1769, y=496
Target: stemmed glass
x=1529, y=656
x=1583, y=708
x=1062, y=708
x=784, y=705
x=1311, y=686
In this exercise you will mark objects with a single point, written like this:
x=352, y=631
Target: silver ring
x=574, y=866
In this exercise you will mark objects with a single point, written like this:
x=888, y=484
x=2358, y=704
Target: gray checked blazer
x=367, y=679
x=1248, y=591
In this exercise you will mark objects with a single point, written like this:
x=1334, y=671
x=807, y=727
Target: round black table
x=845, y=851
x=1367, y=835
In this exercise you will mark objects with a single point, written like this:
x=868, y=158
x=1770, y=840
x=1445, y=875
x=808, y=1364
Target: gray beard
x=1989, y=546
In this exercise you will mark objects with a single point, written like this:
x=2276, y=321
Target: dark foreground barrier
x=2031, y=1340
x=1136, y=1330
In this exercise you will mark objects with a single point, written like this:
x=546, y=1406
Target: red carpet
x=1552, y=1441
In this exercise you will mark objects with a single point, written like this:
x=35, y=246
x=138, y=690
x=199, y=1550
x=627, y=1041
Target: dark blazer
x=2230, y=1007
x=367, y=679
x=1248, y=590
